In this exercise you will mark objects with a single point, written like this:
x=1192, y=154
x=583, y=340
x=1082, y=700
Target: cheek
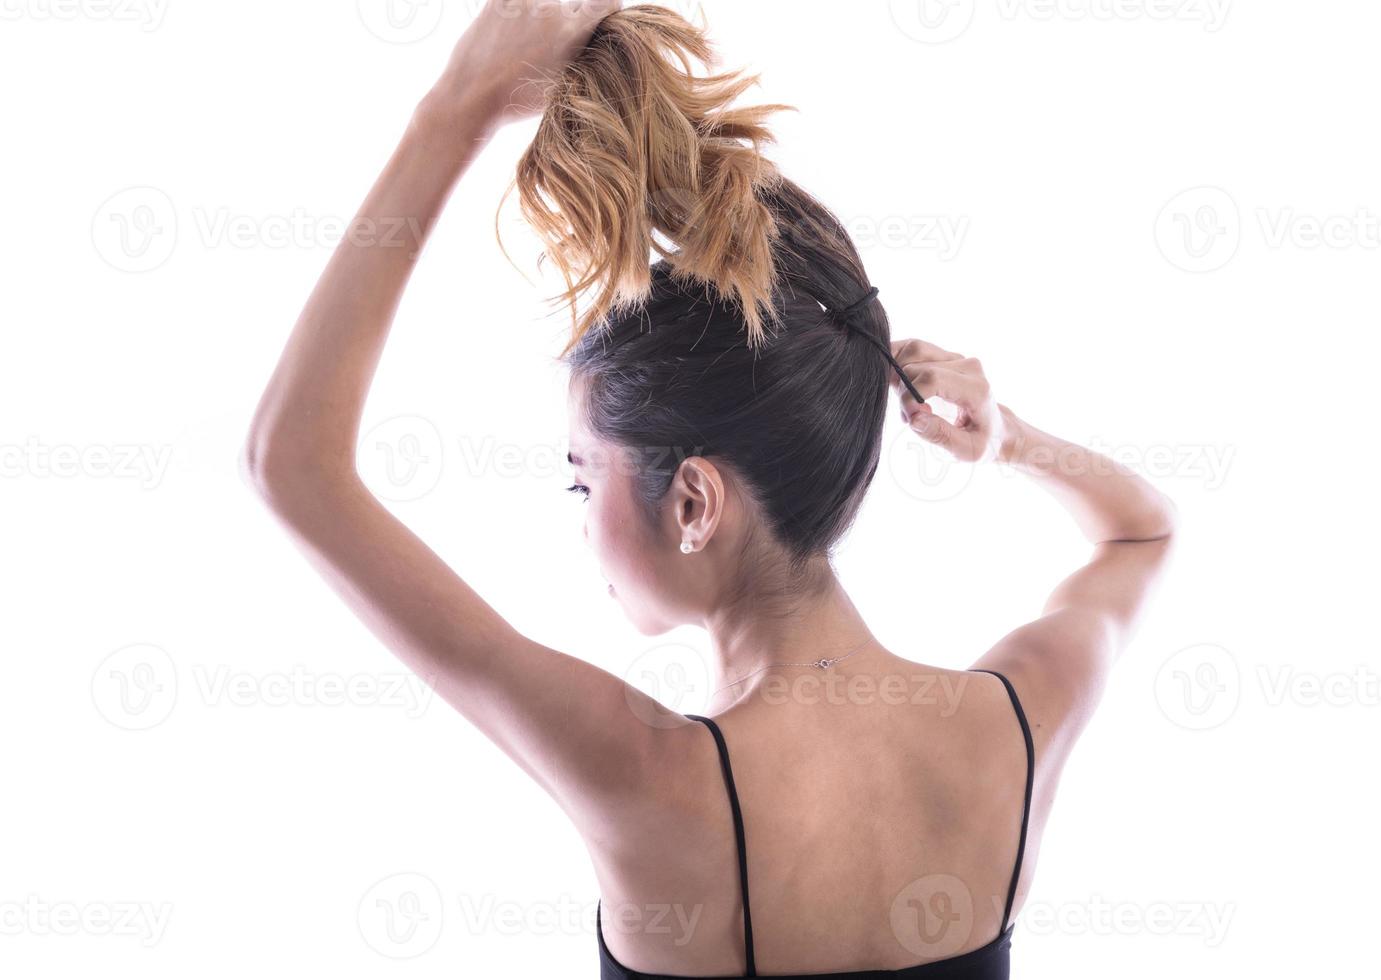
x=621, y=539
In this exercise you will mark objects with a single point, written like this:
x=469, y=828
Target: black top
x=990, y=962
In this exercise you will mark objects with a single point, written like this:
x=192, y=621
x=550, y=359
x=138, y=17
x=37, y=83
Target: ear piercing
x=687, y=547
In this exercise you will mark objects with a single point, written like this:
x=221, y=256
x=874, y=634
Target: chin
x=648, y=627
x=647, y=624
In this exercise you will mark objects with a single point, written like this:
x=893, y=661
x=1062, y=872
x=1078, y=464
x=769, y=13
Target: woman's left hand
x=982, y=429
x=507, y=59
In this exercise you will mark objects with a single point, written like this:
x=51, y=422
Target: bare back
x=882, y=815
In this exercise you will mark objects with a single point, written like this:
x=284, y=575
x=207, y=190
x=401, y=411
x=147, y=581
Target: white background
x=1162, y=240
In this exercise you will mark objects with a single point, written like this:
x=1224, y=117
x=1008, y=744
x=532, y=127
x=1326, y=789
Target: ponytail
x=634, y=145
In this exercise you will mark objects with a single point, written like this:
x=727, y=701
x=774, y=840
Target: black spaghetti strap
x=739, y=836
x=1030, y=784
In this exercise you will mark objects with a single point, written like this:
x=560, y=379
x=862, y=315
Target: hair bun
x=636, y=155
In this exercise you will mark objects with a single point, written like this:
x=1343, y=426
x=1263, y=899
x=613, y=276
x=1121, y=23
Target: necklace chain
x=823, y=663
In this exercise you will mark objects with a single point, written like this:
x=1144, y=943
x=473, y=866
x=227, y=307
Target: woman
x=875, y=817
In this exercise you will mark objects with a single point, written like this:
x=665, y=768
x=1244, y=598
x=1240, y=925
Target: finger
x=959, y=442
x=909, y=407
x=955, y=362
x=913, y=349
x=594, y=11
x=942, y=380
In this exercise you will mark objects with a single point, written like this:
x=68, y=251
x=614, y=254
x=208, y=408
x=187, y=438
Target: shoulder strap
x=1030, y=783
x=738, y=835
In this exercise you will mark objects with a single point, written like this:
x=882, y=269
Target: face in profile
x=637, y=549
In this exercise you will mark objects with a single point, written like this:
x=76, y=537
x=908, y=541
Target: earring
x=687, y=547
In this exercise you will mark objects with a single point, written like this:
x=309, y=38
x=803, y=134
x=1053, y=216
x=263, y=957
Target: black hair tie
x=847, y=312
x=844, y=317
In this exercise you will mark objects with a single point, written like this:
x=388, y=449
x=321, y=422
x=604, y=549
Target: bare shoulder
x=1055, y=697
x=1059, y=664
x=682, y=798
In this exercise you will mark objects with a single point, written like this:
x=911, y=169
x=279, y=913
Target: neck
x=752, y=638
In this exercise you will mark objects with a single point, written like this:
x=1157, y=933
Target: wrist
x=458, y=107
x=1013, y=431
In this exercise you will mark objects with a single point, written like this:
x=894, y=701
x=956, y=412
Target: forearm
x=308, y=418
x=1108, y=501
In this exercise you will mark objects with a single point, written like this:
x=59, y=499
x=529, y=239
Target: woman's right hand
x=514, y=50
x=982, y=428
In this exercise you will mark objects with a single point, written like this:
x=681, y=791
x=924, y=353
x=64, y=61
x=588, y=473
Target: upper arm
x=1060, y=662
x=574, y=728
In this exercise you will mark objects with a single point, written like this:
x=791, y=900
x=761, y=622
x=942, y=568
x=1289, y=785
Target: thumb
x=933, y=429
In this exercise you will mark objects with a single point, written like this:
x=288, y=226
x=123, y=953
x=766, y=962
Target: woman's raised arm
x=1059, y=662
x=573, y=727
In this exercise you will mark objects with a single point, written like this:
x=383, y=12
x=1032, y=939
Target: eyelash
x=578, y=488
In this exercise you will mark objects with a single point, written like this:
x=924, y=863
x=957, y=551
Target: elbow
x=1168, y=518
x=249, y=464
x=262, y=462
x=261, y=471
x=1155, y=519
x=285, y=476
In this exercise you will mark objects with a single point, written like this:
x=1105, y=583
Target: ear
x=698, y=496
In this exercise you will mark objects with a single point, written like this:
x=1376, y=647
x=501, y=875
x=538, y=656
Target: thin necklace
x=823, y=664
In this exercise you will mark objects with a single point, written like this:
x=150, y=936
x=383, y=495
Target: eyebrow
x=574, y=460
